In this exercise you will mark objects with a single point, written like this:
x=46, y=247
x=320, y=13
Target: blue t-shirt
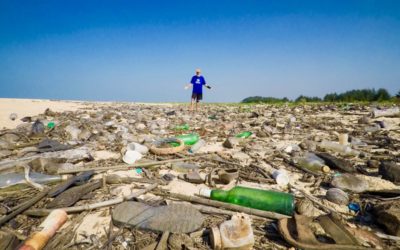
x=198, y=82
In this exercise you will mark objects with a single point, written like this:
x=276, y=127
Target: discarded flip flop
x=174, y=218
x=72, y=195
x=297, y=232
x=75, y=180
x=48, y=145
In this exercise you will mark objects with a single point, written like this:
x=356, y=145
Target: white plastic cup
x=343, y=139
x=281, y=177
x=134, y=146
x=131, y=157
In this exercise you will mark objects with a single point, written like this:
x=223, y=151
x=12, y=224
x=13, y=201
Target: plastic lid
x=282, y=179
x=325, y=169
x=205, y=192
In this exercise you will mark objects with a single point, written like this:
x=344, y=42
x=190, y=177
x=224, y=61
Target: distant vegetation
x=364, y=95
x=356, y=95
x=259, y=99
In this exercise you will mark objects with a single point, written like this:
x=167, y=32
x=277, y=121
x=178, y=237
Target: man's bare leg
x=197, y=104
x=191, y=104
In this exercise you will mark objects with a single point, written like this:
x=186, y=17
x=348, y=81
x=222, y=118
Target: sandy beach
x=30, y=107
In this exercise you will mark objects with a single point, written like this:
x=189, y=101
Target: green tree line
x=355, y=95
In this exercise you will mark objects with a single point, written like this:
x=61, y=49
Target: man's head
x=198, y=71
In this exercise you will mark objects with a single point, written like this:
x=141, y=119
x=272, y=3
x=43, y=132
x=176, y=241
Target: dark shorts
x=197, y=96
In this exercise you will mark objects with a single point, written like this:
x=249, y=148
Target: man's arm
x=205, y=84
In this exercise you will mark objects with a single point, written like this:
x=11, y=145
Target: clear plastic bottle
x=11, y=179
x=198, y=145
x=313, y=163
x=334, y=146
x=266, y=200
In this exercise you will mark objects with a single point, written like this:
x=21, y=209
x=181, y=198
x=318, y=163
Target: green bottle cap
x=51, y=125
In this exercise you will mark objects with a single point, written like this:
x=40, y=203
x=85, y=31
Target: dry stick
x=110, y=233
x=387, y=237
x=15, y=233
x=26, y=205
x=163, y=243
x=214, y=210
x=258, y=179
x=44, y=212
x=223, y=161
x=250, y=211
x=125, y=166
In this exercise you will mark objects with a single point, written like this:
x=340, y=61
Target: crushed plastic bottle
x=336, y=147
x=197, y=146
x=11, y=179
x=37, y=127
x=313, y=163
x=183, y=167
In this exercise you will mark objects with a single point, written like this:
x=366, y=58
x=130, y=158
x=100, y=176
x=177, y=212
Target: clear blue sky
x=147, y=50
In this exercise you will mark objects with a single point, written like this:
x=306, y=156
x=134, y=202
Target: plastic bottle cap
x=205, y=192
x=282, y=179
x=325, y=169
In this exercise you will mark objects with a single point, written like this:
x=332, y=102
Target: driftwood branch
x=69, y=155
x=44, y=212
x=126, y=166
x=213, y=210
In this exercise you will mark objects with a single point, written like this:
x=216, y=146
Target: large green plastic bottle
x=266, y=200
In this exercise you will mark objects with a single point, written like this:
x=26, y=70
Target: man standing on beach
x=197, y=93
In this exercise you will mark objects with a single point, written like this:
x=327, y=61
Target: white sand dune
x=30, y=107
